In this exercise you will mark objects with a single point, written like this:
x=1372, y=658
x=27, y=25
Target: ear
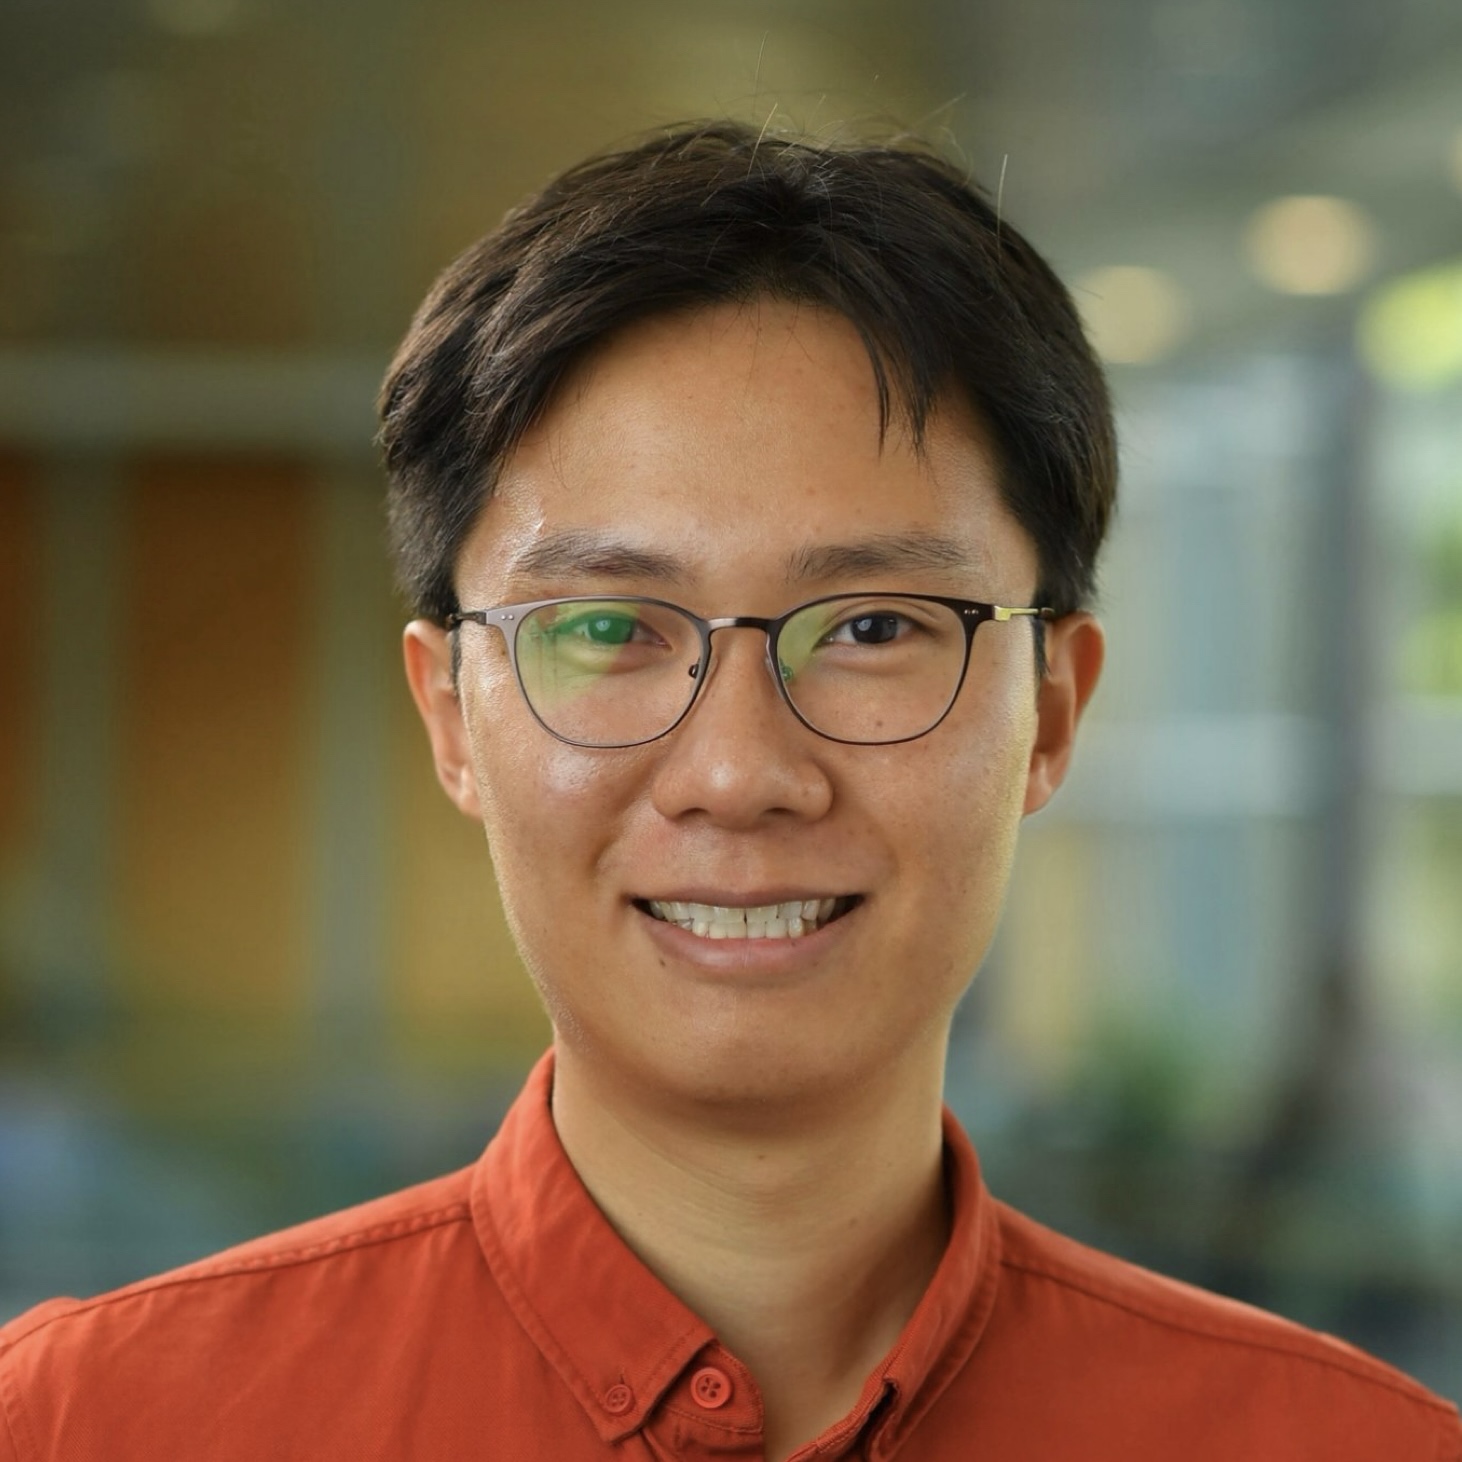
x=428, y=651
x=1075, y=649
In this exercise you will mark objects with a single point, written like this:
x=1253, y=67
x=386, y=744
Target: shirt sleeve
x=1449, y=1448
x=9, y=1419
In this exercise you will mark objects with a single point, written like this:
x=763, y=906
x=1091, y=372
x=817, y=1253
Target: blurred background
x=252, y=966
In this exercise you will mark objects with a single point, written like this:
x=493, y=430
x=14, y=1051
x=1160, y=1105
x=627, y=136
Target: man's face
x=711, y=459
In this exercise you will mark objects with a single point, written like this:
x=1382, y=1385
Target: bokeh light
x=1133, y=314
x=1410, y=332
x=1311, y=245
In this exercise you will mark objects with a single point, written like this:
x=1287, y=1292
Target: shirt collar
x=619, y=1338
x=948, y=1321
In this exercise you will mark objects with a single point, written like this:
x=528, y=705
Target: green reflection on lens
x=799, y=640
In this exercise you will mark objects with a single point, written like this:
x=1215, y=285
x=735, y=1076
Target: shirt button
x=710, y=1387
x=618, y=1400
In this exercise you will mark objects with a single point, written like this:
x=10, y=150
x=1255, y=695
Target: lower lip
x=747, y=956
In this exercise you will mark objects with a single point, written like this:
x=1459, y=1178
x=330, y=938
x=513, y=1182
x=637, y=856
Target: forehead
x=741, y=438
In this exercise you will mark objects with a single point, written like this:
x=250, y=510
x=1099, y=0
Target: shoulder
x=271, y=1305
x=299, y=1333
x=1123, y=1326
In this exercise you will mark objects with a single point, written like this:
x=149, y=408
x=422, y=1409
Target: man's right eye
x=594, y=627
x=603, y=629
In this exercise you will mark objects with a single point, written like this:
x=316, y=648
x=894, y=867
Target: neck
x=805, y=1243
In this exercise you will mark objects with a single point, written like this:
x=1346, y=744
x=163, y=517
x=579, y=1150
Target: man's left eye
x=876, y=628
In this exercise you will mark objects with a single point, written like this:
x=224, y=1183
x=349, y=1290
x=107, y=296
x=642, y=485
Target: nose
x=741, y=756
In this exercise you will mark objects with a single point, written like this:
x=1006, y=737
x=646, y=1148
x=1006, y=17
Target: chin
x=752, y=1077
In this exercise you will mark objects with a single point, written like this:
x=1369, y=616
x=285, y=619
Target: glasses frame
x=508, y=619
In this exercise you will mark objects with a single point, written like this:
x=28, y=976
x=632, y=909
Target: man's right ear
x=428, y=651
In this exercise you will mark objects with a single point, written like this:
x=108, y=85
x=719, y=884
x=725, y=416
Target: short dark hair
x=946, y=295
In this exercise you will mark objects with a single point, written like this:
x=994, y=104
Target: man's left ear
x=1075, y=649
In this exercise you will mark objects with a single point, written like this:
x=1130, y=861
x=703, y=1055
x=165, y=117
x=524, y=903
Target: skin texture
x=779, y=1099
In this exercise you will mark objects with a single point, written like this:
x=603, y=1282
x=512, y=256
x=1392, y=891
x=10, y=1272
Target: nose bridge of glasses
x=740, y=621
x=768, y=627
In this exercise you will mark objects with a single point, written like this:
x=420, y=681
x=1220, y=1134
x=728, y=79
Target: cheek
x=973, y=792
x=518, y=765
x=550, y=811
x=541, y=818
x=536, y=793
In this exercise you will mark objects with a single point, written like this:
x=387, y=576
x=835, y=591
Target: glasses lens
x=872, y=668
x=607, y=672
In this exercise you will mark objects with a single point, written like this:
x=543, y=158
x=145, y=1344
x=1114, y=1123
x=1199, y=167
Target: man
x=748, y=494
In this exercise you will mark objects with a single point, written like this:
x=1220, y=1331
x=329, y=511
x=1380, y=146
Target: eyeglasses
x=868, y=669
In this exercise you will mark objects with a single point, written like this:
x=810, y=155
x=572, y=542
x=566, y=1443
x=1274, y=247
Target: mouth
x=792, y=919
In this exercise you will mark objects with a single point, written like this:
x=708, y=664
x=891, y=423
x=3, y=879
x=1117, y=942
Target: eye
x=599, y=625
x=869, y=627
x=847, y=635
x=603, y=629
x=601, y=635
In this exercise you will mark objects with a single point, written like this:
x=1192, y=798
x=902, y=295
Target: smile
x=791, y=920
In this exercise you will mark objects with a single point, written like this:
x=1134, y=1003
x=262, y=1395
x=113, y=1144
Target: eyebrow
x=887, y=553
x=593, y=553
x=586, y=551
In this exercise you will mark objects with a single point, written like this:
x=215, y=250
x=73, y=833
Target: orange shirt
x=494, y=1314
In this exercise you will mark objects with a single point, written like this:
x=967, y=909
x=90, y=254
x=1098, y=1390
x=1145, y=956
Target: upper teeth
x=765, y=921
